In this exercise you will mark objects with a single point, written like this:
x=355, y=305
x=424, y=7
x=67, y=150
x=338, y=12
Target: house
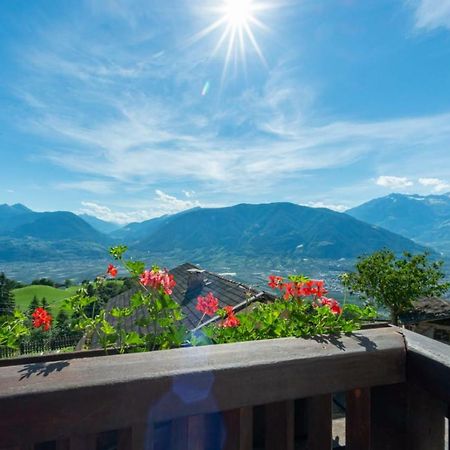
x=193, y=281
x=430, y=317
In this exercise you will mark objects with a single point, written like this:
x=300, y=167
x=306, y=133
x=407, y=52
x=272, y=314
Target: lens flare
x=205, y=89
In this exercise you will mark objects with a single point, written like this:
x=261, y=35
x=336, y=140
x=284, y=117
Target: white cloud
x=160, y=205
x=189, y=194
x=171, y=204
x=435, y=183
x=394, y=182
x=142, y=137
x=105, y=213
x=93, y=186
x=430, y=14
x=332, y=206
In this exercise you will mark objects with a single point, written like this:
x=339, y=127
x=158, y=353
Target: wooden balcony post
x=238, y=429
x=388, y=412
x=188, y=433
x=138, y=437
x=357, y=420
x=279, y=425
x=319, y=423
x=88, y=442
x=425, y=421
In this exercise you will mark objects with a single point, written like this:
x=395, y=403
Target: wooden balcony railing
x=273, y=395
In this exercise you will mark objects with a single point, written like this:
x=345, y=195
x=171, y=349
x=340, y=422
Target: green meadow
x=54, y=296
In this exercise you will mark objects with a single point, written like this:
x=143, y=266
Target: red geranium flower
x=157, y=279
x=275, y=282
x=289, y=290
x=332, y=304
x=112, y=270
x=231, y=321
x=207, y=305
x=41, y=318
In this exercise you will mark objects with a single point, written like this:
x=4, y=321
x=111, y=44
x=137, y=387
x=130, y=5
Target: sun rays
x=236, y=23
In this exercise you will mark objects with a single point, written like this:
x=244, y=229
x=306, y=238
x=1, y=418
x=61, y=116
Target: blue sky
x=123, y=110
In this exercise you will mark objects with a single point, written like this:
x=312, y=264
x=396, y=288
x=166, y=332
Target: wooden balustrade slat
x=196, y=438
x=179, y=433
x=238, y=429
x=357, y=420
x=142, y=436
x=87, y=442
x=425, y=420
x=17, y=447
x=388, y=417
x=124, y=439
x=319, y=422
x=63, y=444
x=279, y=425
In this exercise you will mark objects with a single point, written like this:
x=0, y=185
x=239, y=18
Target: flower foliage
x=302, y=310
x=13, y=329
x=42, y=319
x=162, y=314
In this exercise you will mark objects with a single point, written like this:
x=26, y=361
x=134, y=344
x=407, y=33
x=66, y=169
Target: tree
x=44, y=282
x=396, y=282
x=45, y=305
x=33, y=305
x=7, y=303
x=63, y=323
x=68, y=283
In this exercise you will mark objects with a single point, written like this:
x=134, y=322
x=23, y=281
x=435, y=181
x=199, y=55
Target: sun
x=238, y=20
x=238, y=12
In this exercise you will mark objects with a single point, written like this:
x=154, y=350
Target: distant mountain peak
x=418, y=217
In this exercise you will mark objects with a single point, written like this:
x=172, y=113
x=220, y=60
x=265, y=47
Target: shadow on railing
x=273, y=395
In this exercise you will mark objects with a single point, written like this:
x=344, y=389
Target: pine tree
x=62, y=322
x=33, y=305
x=7, y=303
x=45, y=305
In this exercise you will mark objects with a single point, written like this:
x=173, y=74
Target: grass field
x=54, y=296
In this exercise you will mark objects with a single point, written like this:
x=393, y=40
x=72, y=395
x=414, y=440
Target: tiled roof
x=427, y=309
x=229, y=293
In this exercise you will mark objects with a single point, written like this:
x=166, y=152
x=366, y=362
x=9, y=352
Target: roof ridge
x=220, y=277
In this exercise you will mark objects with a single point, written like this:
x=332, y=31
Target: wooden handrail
x=89, y=395
x=428, y=364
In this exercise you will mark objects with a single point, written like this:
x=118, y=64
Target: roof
x=229, y=293
x=426, y=309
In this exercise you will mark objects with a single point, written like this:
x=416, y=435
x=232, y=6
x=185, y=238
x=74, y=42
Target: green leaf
x=118, y=251
x=136, y=268
x=133, y=338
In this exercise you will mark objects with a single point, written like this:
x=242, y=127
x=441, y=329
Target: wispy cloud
x=160, y=204
x=173, y=204
x=436, y=184
x=392, y=182
x=125, y=107
x=332, y=206
x=431, y=14
x=93, y=186
x=105, y=213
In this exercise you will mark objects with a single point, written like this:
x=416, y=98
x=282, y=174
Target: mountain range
x=425, y=219
x=265, y=230
x=38, y=236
